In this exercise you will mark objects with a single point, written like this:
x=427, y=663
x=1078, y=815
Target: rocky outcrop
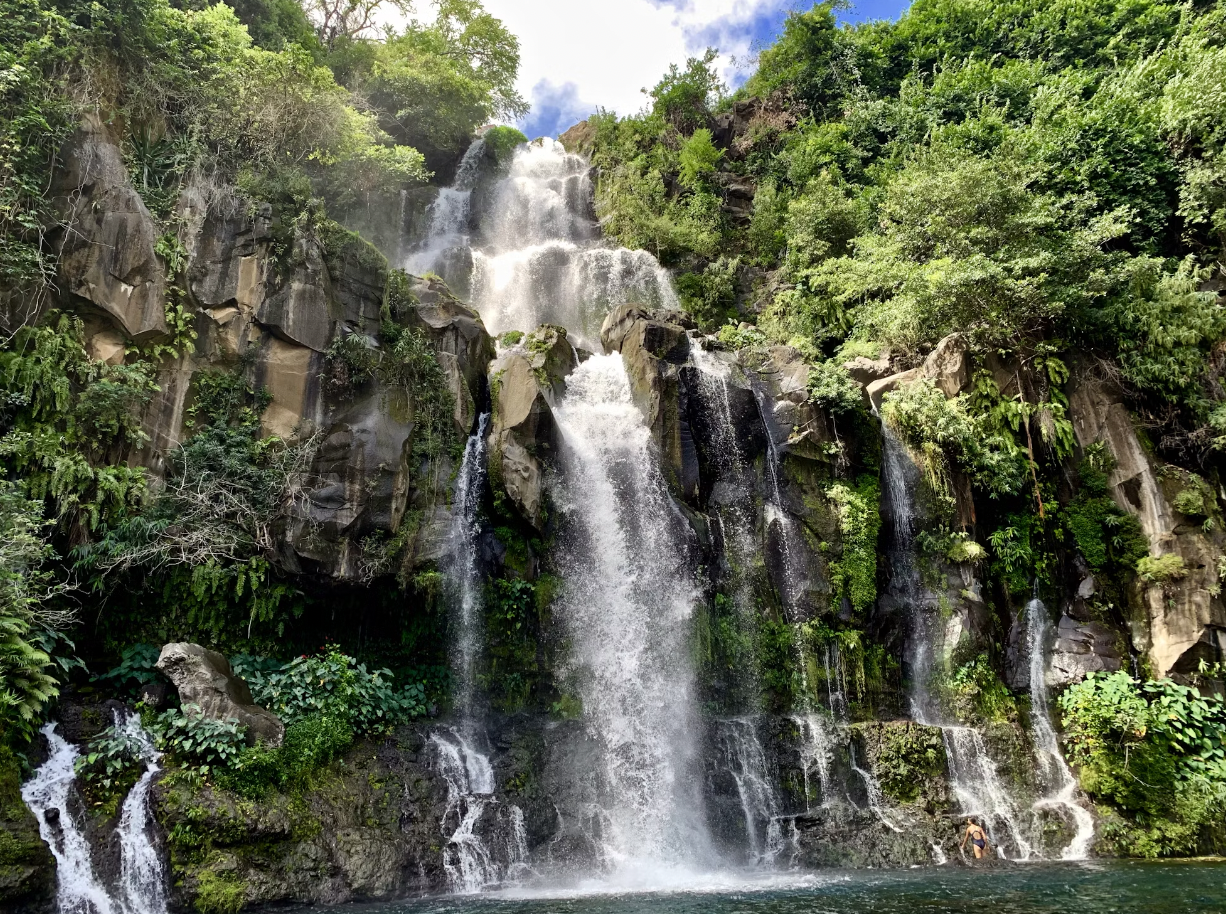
x=525, y=381
x=204, y=680
x=1081, y=648
x=368, y=830
x=27, y=868
x=653, y=351
x=579, y=139
x=108, y=260
x=1181, y=620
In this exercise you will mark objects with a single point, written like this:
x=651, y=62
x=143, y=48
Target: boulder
x=878, y=389
x=949, y=366
x=865, y=371
x=551, y=356
x=203, y=678
x=1088, y=647
x=653, y=351
x=108, y=259
x=298, y=312
x=523, y=434
x=457, y=334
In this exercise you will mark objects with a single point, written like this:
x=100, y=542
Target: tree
x=683, y=98
x=336, y=20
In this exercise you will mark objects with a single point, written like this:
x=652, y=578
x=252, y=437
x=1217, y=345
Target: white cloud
x=580, y=54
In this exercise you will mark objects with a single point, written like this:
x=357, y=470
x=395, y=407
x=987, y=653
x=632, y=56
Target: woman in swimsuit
x=978, y=838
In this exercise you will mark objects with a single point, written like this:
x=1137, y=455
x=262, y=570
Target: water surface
x=1107, y=887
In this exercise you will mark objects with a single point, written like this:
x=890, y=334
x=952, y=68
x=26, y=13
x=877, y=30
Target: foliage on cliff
x=1039, y=176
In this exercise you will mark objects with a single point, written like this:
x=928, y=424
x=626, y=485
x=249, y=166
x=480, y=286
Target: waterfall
x=461, y=567
x=739, y=743
x=486, y=842
x=142, y=880
x=872, y=790
x=1062, y=786
x=973, y=773
x=625, y=604
x=482, y=850
x=445, y=250
x=48, y=794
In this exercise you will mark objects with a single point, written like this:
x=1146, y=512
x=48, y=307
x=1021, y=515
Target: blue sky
x=580, y=54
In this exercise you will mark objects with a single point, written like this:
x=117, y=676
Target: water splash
x=1054, y=770
x=980, y=791
x=625, y=604
x=48, y=795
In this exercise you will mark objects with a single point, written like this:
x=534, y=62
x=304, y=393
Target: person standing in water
x=978, y=838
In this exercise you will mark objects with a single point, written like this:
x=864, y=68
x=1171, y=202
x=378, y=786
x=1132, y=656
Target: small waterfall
x=973, y=773
x=872, y=789
x=1062, y=786
x=979, y=789
x=461, y=567
x=739, y=743
x=48, y=795
x=817, y=742
x=486, y=840
x=626, y=602
x=445, y=250
x=482, y=851
x=142, y=876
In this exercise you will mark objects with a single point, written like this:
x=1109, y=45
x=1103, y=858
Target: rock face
x=653, y=350
x=1087, y=647
x=108, y=261
x=1175, y=623
x=526, y=381
x=204, y=679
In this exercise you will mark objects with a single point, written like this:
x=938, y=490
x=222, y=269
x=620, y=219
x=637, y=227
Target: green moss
x=1162, y=569
x=219, y=893
x=853, y=575
x=906, y=758
x=511, y=338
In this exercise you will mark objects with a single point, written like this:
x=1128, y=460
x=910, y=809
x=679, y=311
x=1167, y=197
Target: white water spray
x=1062, y=786
x=48, y=795
x=626, y=602
x=142, y=878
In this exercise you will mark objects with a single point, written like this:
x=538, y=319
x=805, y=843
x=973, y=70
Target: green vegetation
x=1154, y=751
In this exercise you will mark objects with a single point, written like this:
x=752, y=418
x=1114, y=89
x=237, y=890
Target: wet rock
x=203, y=678
x=27, y=868
x=653, y=351
x=948, y=365
x=523, y=434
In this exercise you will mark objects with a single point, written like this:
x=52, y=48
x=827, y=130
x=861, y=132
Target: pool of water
x=1186, y=887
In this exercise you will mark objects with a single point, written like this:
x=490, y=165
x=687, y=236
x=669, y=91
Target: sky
x=577, y=55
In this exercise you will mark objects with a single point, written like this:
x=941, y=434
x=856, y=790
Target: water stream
x=142, y=876
x=1062, y=795
x=972, y=770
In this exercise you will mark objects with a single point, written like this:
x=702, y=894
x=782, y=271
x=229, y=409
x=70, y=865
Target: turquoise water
x=1188, y=887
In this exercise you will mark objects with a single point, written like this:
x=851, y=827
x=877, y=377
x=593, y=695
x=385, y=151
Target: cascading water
x=1059, y=780
x=539, y=256
x=972, y=771
x=740, y=745
x=483, y=850
x=625, y=603
x=142, y=878
x=461, y=568
x=446, y=249
x=48, y=794
x=486, y=843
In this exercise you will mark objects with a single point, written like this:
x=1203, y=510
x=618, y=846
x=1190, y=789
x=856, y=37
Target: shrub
x=334, y=685
x=699, y=158
x=110, y=758
x=1162, y=569
x=198, y=741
